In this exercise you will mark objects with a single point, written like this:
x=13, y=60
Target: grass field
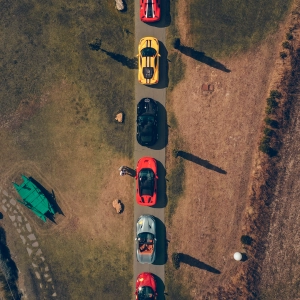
x=58, y=100
x=227, y=27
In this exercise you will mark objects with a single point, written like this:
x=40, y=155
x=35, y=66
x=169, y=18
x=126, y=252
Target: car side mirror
x=155, y=239
x=137, y=55
x=159, y=55
x=156, y=177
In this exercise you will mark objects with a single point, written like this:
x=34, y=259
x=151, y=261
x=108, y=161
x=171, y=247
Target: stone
x=119, y=5
x=119, y=117
x=31, y=237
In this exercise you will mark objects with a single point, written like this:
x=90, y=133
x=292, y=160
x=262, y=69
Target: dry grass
x=59, y=100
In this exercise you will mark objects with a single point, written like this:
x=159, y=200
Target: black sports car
x=147, y=122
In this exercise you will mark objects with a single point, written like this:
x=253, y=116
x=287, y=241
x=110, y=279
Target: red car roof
x=146, y=181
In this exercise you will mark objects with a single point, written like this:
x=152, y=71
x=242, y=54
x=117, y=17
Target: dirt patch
x=221, y=131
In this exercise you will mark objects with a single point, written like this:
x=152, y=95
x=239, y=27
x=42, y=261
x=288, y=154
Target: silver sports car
x=145, y=239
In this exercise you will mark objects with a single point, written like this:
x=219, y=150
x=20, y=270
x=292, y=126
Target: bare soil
x=222, y=130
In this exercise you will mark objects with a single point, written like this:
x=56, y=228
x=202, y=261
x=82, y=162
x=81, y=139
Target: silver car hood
x=146, y=223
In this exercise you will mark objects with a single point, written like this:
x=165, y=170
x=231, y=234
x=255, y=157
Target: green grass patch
x=225, y=27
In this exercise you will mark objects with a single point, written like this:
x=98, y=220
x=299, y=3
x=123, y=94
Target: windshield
x=145, y=120
x=146, y=138
x=148, y=52
x=145, y=237
x=145, y=293
x=146, y=182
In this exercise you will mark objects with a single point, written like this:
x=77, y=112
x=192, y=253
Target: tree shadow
x=193, y=262
x=200, y=56
x=199, y=161
x=50, y=197
x=161, y=243
x=162, y=129
x=162, y=199
x=160, y=287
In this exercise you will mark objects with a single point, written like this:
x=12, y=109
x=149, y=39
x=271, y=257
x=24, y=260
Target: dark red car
x=146, y=181
x=150, y=10
x=145, y=287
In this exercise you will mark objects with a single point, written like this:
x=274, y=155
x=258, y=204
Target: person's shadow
x=199, y=161
x=193, y=262
x=131, y=63
x=200, y=56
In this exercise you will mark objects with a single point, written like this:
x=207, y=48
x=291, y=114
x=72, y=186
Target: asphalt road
x=158, y=93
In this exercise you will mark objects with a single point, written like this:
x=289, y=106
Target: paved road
x=158, y=93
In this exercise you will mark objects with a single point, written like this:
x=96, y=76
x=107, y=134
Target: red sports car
x=150, y=10
x=145, y=287
x=146, y=181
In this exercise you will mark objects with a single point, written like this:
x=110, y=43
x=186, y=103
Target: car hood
x=146, y=223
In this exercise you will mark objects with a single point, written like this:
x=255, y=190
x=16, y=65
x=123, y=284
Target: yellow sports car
x=148, y=61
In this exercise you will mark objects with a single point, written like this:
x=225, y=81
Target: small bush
x=246, y=239
x=269, y=132
x=176, y=43
x=289, y=36
x=275, y=94
x=269, y=110
x=283, y=55
x=272, y=102
x=272, y=123
x=175, y=152
x=176, y=260
x=286, y=45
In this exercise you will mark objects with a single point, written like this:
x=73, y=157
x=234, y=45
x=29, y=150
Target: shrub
x=269, y=132
x=246, y=239
x=275, y=94
x=272, y=102
x=283, y=55
x=269, y=110
x=176, y=260
x=286, y=45
x=176, y=43
x=175, y=152
x=272, y=123
x=289, y=36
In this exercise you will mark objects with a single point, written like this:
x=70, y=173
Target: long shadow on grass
x=200, y=56
x=162, y=129
x=161, y=244
x=131, y=63
x=162, y=199
x=50, y=197
x=193, y=262
x=199, y=161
